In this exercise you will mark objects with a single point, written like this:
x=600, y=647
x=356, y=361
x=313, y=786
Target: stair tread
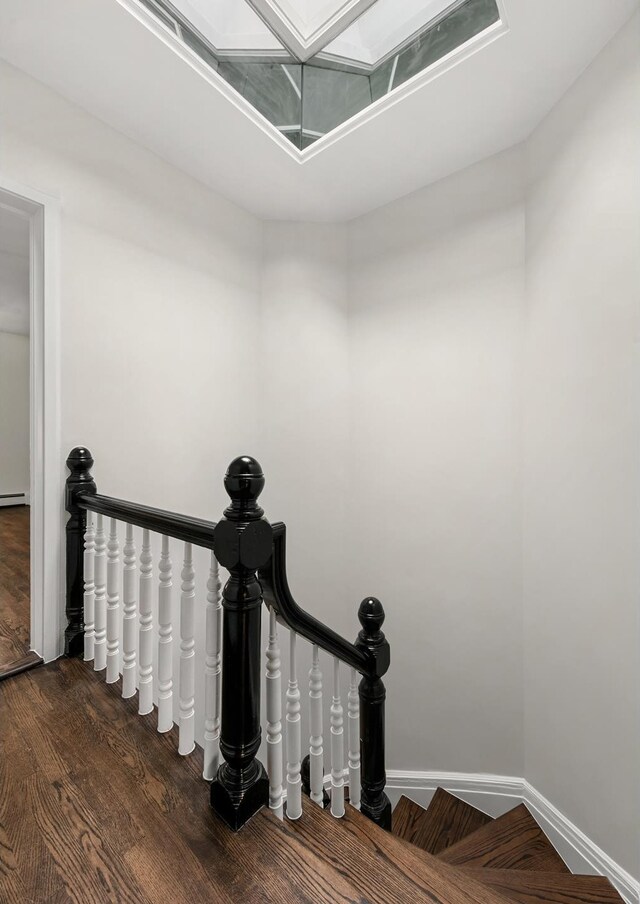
x=378, y=865
x=446, y=821
x=513, y=841
x=531, y=887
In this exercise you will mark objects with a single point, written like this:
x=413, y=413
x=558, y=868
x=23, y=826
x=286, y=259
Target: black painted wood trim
x=275, y=586
x=181, y=527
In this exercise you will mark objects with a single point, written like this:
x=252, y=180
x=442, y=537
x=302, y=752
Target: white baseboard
x=14, y=499
x=495, y=794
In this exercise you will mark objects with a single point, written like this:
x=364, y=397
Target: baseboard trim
x=13, y=499
x=495, y=794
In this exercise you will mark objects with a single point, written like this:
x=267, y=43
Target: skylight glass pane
x=272, y=88
x=456, y=29
x=384, y=27
x=227, y=24
x=331, y=97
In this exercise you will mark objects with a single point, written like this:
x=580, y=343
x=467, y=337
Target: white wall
x=437, y=291
x=304, y=422
x=582, y=454
x=14, y=413
x=14, y=292
x=160, y=300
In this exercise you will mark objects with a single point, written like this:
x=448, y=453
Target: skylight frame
x=141, y=9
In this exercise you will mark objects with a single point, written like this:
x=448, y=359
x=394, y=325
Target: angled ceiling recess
x=310, y=65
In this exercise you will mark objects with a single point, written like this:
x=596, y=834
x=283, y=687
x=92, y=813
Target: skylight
x=310, y=65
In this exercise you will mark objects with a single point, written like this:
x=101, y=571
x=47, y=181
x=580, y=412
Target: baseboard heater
x=13, y=499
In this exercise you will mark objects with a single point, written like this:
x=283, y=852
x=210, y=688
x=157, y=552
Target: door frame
x=46, y=465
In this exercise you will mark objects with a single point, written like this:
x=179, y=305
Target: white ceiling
x=14, y=272
x=165, y=98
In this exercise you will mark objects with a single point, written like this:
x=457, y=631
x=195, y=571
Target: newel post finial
x=374, y=803
x=79, y=481
x=244, y=481
x=242, y=543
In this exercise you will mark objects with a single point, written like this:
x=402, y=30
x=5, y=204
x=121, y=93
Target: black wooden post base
x=236, y=797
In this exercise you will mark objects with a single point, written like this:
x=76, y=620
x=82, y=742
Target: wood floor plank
x=14, y=583
x=316, y=880
x=36, y=869
x=513, y=841
x=402, y=873
x=92, y=873
x=446, y=821
x=528, y=887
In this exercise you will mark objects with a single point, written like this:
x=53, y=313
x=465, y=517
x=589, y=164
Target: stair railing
x=119, y=640
x=370, y=657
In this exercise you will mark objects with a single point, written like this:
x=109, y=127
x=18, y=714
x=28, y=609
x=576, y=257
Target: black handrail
x=277, y=594
x=181, y=527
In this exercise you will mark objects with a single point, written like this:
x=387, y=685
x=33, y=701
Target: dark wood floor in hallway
x=14, y=583
x=96, y=806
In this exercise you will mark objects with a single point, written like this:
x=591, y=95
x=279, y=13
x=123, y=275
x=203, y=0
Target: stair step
x=527, y=887
x=446, y=821
x=513, y=841
x=380, y=867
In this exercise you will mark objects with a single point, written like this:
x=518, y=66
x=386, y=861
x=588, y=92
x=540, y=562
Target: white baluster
x=274, y=717
x=145, y=631
x=129, y=605
x=113, y=604
x=165, y=642
x=186, y=741
x=100, y=565
x=354, y=741
x=294, y=780
x=337, y=746
x=89, y=588
x=212, y=672
x=316, y=767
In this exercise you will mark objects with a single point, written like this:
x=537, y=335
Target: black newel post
x=79, y=480
x=242, y=544
x=374, y=802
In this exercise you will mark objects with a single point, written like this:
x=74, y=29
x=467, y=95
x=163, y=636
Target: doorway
x=31, y=515
x=15, y=444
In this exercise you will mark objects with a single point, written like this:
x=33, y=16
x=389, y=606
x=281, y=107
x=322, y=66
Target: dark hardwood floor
x=96, y=806
x=14, y=584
